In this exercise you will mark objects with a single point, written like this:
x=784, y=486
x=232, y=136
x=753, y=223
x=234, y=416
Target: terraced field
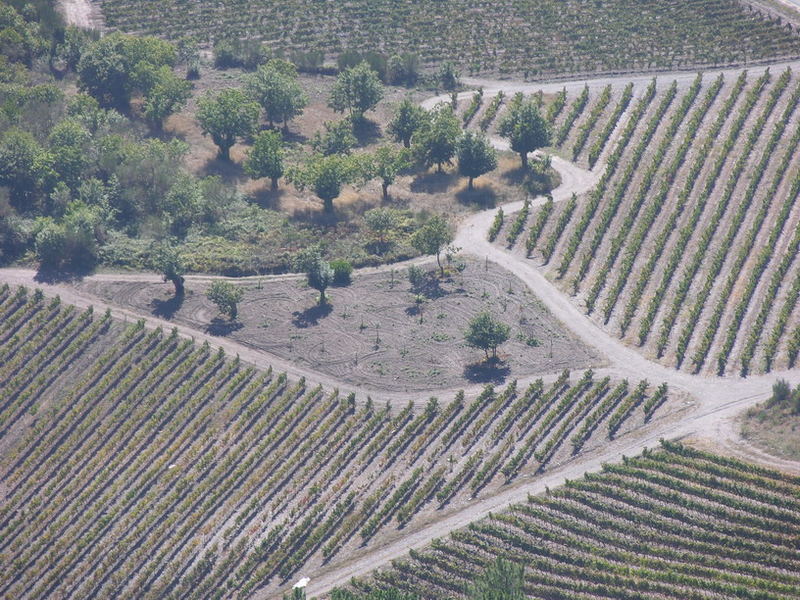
x=529, y=38
x=166, y=469
x=687, y=247
x=673, y=523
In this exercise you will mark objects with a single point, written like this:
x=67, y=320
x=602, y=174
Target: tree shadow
x=268, y=198
x=492, y=370
x=480, y=197
x=429, y=286
x=223, y=327
x=166, y=309
x=366, y=132
x=433, y=183
x=64, y=274
x=228, y=170
x=311, y=316
x=292, y=137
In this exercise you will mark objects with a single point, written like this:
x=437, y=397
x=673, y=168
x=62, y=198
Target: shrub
x=342, y=272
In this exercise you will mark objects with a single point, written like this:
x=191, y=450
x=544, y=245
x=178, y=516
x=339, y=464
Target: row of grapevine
x=674, y=523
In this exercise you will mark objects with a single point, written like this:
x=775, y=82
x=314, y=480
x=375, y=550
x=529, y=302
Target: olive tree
x=227, y=116
x=487, y=333
x=167, y=260
x=436, y=143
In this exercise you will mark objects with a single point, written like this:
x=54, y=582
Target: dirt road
x=81, y=13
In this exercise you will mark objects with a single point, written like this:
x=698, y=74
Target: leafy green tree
x=436, y=144
x=432, y=238
x=189, y=55
x=227, y=116
x=337, y=139
x=487, y=333
x=381, y=221
x=475, y=156
x=183, y=204
x=357, y=90
x=24, y=164
x=109, y=67
x=69, y=146
x=265, y=159
x=166, y=259
x=167, y=94
x=276, y=89
x=227, y=297
x=320, y=276
x=386, y=163
x=525, y=129
x=407, y=120
x=325, y=175
x=449, y=76
x=502, y=580
x=71, y=242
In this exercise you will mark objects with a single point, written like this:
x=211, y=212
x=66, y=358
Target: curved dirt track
x=711, y=416
x=81, y=13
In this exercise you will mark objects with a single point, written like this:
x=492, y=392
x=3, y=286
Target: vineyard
x=530, y=38
x=166, y=469
x=687, y=247
x=673, y=523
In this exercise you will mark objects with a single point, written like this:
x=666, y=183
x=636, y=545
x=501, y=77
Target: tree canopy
x=436, y=143
x=227, y=116
x=408, y=119
x=265, y=158
x=274, y=86
x=475, y=156
x=432, y=238
x=227, y=297
x=525, y=129
x=487, y=333
x=326, y=175
x=357, y=90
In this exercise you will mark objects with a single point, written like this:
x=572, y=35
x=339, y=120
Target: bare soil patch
x=775, y=430
x=374, y=332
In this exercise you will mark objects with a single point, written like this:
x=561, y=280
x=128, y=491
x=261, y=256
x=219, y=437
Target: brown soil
x=373, y=333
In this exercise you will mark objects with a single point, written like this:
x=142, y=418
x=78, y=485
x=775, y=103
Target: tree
x=502, y=580
x=432, y=238
x=325, y=175
x=408, y=119
x=226, y=296
x=386, y=164
x=227, y=116
x=69, y=148
x=167, y=260
x=274, y=86
x=357, y=90
x=107, y=69
x=475, y=156
x=525, y=129
x=23, y=164
x=265, y=159
x=337, y=139
x=436, y=143
x=319, y=272
x=487, y=333
x=449, y=76
x=381, y=221
x=167, y=94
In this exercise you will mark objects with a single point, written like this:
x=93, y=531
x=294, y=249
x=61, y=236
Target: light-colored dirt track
x=81, y=13
x=717, y=400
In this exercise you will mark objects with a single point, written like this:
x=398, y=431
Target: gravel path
x=81, y=13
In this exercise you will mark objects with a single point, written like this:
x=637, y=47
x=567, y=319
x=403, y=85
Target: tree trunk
x=274, y=183
x=469, y=185
x=439, y=262
x=524, y=157
x=179, y=287
x=322, y=298
x=438, y=167
x=407, y=142
x=385, y=188
x=327, y=205
x=225, y=153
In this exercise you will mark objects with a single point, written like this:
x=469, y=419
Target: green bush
x=342, y=271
